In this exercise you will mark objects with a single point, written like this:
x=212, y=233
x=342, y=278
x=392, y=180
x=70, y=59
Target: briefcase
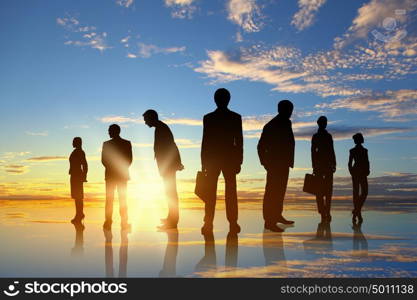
x=310, y=184
x=201, y=185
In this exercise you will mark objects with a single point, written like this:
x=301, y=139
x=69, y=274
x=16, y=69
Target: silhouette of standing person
x=276, y=153
x=116, y=157
x=359, y=170
x=222, y=151
x=78, y=171
x=169, y=162
x=324, y=165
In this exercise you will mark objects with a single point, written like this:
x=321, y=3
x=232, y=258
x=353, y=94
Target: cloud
x=121, y=119
x=124, y=3
x=147, y=50
x=43, y=133
x=282, y=67
x=371, y=15
x=246, y=14
x=346, y=132
x=391, y=105
x=15, y=169
x=83, y=36
x=181, y=9
x=305, y=16
x=46, y=158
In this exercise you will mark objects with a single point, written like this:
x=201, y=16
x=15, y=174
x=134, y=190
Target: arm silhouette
x=332, y=155
x=204, y=145
x=239, y=141
x=262, y=149
x=350, y=163
x=84, y=166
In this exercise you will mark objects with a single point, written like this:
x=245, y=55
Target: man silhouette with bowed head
x=169, y=162
x=276, y=153
x=116, y=157
x=222, y=151
x=323, y=159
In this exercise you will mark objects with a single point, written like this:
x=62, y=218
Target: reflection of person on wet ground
x=273, y=248
x=360, y=244
x=78, y=249
x=322, y=242
x=108, y=253
x=169, y=268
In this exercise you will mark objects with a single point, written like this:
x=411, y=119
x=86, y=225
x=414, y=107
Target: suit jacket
x=78, y=165
x=323, y=157
x=167, y=154
x=116, y=157
x=222, y=144
x=276, y=145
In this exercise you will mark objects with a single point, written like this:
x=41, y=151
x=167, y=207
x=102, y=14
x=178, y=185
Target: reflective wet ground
x=39, y=241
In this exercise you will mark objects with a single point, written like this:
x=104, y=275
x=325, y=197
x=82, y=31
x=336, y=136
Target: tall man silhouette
x=222, y=151
x=116, y=157
x=276, y=153
x=169, y=162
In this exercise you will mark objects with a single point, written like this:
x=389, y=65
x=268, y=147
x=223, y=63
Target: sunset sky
x=72, y=68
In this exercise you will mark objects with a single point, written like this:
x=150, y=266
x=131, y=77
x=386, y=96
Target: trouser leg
x=364, y=191
x=110, y=187
x=210, y=203
x=122, y=191
x=282, y=188
x=270, y=196
x=170, y=182
x=355, y=186
x=79, y=207
x=231, y=196
x=329, y=192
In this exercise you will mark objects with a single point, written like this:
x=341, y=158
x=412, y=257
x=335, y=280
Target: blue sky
x=70, y=68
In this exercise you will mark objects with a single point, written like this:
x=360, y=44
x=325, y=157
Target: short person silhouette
x=78, y=171
x=359, y=170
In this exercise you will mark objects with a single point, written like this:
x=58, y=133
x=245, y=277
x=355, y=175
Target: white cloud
x=83, y=36
x=372, y=15
x=42, y=133
x=181, y=9
x=147, y=50
x=391, y=105
x=124, y=3
x=245, y=13
x=305, y=16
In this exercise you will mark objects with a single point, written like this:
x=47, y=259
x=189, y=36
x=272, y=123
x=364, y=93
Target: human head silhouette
x=114, y=131
x=150, y=117
x=77, y=142
x=322, y=122
x=285, y=108
x=358, y=138
x=222, y=98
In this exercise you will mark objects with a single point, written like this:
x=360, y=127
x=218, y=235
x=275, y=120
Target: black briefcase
x=201, y=185
x=310, y=184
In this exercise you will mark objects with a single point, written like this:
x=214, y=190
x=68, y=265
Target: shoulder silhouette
x=117, y=155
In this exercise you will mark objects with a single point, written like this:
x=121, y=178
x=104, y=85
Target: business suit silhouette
x=222, y=151
x=359, y=170
x=78, y=171
x=116, y=157
x=276, y=154
x=324, y=165
x=168, y=159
